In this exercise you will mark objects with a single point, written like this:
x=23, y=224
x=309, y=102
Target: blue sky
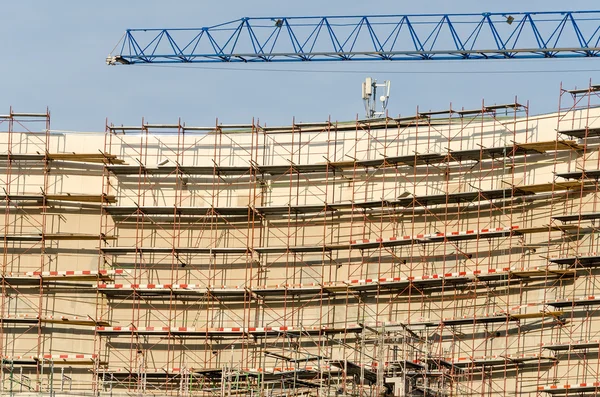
x=53, y=55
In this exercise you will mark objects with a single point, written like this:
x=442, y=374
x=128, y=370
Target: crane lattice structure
x=515, y=35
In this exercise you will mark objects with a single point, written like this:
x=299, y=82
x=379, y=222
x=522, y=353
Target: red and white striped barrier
x=69, y=273
x=189, y=287
x=136, y=371
x=170, y=287
x=436, y=235
x=75, y=273
x=54, y=357
x=441, y=276
x=575, y=386
x=275, y=370
x=427, y=277
x=69, y=356
x=472, y=275
x=295, y=286
x=375, y=281
x=218, y=330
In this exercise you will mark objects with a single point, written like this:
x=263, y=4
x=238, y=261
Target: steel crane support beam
x=518, y=35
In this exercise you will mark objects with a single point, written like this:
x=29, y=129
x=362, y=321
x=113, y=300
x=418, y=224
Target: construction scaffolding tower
x=447, y=253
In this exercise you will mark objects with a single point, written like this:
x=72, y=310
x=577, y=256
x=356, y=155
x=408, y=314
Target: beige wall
x=146, y=354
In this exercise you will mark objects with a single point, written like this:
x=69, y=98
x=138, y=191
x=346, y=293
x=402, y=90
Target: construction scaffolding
x=448, y=253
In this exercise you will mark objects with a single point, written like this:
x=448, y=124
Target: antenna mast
x=369, y=96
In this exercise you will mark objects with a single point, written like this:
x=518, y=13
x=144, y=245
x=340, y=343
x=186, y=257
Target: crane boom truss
x=525, y=35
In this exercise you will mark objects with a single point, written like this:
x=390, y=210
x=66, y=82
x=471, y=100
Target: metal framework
x=519, y=35
x=446, y=253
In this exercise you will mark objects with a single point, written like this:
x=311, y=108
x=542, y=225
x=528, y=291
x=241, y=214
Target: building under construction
x=449, y=253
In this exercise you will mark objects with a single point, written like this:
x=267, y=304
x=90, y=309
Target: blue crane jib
x=518, y=35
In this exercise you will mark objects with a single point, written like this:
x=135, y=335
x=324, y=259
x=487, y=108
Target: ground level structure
x=449, y=253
